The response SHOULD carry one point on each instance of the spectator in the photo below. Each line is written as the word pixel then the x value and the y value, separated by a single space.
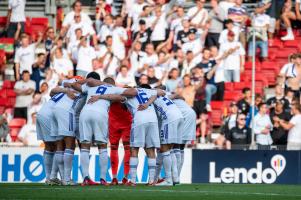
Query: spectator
pixel 62 66
pixel 187 90
pixel 260 22
pixel 198 15
pixel 240 134
pixel 86 54
pixel 274 11
pixel 35 105
pixel 143 35
pixel 45 92
pixel 120 37
pixel 107 57
pixel 239 14
pixel 279 134
pixel 223 38
pixel 216 16
pixel 173 80
pixel 69 18
pixel 286 16
pixel 279 96
pixel 219 75
pixel 159 27
pixel 176 26
pixel 285 68
pixel 4 129
pixel 133 14
pixel 263 127
pixel 136 56
pixel 258 100
pixel 124 78
pixel 235 61
pixel 152 80
pixel 150 59
pixel 143 79
pixel 15 15
pixel 24 90
pixel 230 120
pixel 24 56
pixel 194 44
pixel 226 4
pixel 106 29
pixel 190 62
pixel 182 35
pixel 38 69
pixel 293 127
pixel 28 133
pixel 49 42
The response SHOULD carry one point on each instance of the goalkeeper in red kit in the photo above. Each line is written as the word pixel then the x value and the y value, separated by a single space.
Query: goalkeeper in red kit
pixel 120 121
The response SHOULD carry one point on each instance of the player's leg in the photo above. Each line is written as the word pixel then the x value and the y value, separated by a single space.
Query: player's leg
pixel 58 162
pixel 151 161
pixel 48 156
pixel 68 158
pixel 114 137
pixel 174 164
pixel 159 162
pixel 180 158
pixel 167 162
pixel 127 152
pixel 133 165
pixel 103 160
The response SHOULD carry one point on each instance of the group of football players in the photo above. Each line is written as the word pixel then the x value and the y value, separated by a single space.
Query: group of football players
pixel 79 110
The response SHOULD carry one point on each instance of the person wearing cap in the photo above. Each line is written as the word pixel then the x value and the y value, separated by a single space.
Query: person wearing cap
pixel 260 24
pixel 230 120
pixel 229 24
pixel 194 44
pixel 216 18
pixel 182 36
pixel 279 134
pixel 143 35
pixel 235 61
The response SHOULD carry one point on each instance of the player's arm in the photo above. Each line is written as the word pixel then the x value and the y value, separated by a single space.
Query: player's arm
pixel 176 96
pixel 109 97
pixel 130 92
pixel 68 92
pixel 160 92
pixel 93 82
pixel 148 103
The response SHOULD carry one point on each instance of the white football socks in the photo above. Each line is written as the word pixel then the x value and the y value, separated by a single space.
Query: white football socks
pixel 103 161
pixel 48 160
pixel 167 165
pixel 159 162
pixel 174 167
pixel 151 169
pixel 84 162
pixel 57 165
pixel 182 161
pixel 68 158
pixel 178 157
pixel 133 168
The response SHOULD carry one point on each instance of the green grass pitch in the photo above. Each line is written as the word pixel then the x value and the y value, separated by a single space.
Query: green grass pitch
pixel 141 192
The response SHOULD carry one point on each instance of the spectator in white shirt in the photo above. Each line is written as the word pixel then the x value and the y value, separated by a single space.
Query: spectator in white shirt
pixel 294 127
pixel 223 38
pixel 263 127
pixel 143 79
pixel 28 133
pixel 189 63
pixel 24 90
pixel 109 60
pixel 173 80
pixel 235 61
pixel 62 66
pixel 106 29
pixel 35 105
pixel 69 18
pixel 194 44
pixel 198 15
pixel 86 54
pixel 225 5
pixel 120 37
pixel 24 56
pixel 136 57
pixel 124 78
pixel 176 26
pixel 159 26
pixel 72 47
pixel 151 58
pixel 15 15
pixel 133 15
pixel 87 30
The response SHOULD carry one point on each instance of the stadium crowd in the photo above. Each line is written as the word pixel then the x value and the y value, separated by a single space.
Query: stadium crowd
pixel 193 52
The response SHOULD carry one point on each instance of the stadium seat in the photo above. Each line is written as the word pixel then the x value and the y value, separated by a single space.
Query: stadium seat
pixel 216 117
pixel 284 53
pixel 3 102
pixel 249 65
pixel 2 110
pixel 17 123
pixel 270 76
pixel 3 20
pixel 232 96
pixel 7 44
pixel 292 44
pixel 11 93
pixel 217 105
pixel 7 84
pixel 228 86
pixel 276 43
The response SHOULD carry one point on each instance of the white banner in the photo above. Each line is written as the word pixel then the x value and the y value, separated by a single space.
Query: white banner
pixel 25 164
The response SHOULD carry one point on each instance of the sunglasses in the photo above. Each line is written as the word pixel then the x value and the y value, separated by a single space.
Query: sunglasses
pixel 242 119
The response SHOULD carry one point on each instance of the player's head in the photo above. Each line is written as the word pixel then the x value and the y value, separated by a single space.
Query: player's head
pixel 161 87
pixel 109 80
pixel 146 86
pixel 93 75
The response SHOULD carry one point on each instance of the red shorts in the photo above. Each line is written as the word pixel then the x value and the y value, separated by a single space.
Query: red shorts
pixel 117 133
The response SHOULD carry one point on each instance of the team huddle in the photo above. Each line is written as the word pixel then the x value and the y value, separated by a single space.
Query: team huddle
pixel 162 123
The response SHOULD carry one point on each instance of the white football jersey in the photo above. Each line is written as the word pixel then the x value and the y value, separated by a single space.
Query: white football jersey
pixel 167 109
pixel 64 102
pixel 144 116
pixel 101 104
pixel 183 107
pixel 47 107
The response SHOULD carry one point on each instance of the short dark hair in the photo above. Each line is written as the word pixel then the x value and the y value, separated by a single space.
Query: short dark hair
pixel 25 72
pixel 261 104
pixel 246 89
pixel 297 106
pixel 75 2
pixel 228 21
pixel 109 80
pixel 93 75
pixel 146 86
pixel 41 54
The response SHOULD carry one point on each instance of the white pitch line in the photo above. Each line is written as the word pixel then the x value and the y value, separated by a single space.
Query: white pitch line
pixel 206 192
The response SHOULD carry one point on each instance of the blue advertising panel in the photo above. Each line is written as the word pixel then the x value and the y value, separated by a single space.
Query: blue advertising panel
pixel 238 166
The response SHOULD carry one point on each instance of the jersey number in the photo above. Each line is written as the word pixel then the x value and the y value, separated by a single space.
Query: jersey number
pixel 101 90
pixel 167 101
pixel 57 97
pixel 142 97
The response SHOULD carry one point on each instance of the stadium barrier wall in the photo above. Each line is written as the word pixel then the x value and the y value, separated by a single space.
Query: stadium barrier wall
pixel 238 166
pixel 25 164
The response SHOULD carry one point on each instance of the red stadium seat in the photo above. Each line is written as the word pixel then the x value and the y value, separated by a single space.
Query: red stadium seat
pixel 249 65
pixel 11 93
pixel 215 105
pixel 239 86
pixel 232 96
pixel 3 22
pixel 8 84
pixel 276 43
pixel 3 102
pixel 284 53
pixel 216 117
pixel 292 44
pixel 229 86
